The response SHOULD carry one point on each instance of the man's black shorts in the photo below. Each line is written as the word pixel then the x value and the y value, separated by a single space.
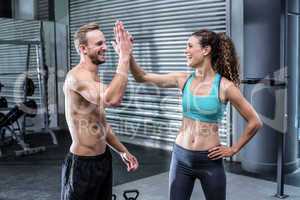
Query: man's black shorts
pixel 87 177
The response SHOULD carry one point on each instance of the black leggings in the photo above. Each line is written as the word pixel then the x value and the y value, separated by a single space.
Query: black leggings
pixel 186 166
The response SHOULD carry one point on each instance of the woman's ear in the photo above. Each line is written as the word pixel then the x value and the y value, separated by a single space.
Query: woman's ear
pixel 207 50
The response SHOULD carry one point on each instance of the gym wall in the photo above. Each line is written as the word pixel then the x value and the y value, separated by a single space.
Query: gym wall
pixel 160 30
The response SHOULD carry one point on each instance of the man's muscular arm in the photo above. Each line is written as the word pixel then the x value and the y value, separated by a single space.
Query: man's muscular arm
pixel 95 92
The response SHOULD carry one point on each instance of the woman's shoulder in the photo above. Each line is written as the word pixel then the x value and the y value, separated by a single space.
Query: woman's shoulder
pixel 225 82
pixel 225 85
pixel 182 78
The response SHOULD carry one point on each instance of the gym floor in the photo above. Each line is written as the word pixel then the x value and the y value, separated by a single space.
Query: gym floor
pixel 38 176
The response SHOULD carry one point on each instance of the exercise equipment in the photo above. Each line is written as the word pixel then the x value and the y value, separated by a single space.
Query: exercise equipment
pixel 3 102
pixel 2 132
pixel 2 116
pixel 3 140
pixel 29 108
pixel 128 195
pixel 1 85
pixel 131 194
pixel 9 122
pixel 28 86
pixel 25 87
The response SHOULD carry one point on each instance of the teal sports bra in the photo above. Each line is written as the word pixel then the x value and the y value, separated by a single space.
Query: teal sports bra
pixel 203 108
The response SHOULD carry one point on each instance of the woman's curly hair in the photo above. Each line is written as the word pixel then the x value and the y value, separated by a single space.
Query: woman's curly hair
pixel 223 55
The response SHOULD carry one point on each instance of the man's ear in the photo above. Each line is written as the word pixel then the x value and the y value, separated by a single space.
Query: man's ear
pixel 83 49
pixel 207 50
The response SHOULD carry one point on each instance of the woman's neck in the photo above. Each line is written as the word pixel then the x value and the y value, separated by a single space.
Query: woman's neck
pixel 204 72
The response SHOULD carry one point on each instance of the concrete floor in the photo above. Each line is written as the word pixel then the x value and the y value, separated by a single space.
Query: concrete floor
pixel 37 177
pixel 238 188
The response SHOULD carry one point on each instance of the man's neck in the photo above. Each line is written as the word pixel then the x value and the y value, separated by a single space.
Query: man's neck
pixel 88 65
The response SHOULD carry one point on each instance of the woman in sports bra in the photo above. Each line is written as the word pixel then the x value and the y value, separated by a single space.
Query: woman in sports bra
pixel 197 153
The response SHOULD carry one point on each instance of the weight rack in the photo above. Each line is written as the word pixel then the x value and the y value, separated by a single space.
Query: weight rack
pixel 42 84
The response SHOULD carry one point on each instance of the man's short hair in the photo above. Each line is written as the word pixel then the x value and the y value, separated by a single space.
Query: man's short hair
pixel 80 34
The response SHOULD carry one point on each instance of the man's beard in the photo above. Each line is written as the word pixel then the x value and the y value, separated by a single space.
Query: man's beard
pixel 95 60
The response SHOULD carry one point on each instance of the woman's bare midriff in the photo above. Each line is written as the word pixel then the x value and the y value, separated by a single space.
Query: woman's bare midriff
pixel 197 135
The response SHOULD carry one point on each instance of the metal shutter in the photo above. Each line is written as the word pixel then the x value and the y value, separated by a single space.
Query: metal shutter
pixel 43 9
pixel 160 29
pixel 13 61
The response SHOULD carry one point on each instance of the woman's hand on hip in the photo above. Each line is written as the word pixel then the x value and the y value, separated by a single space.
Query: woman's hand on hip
pixel 218 152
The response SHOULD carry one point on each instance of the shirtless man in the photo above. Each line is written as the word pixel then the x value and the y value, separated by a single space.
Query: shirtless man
pixel 87 169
